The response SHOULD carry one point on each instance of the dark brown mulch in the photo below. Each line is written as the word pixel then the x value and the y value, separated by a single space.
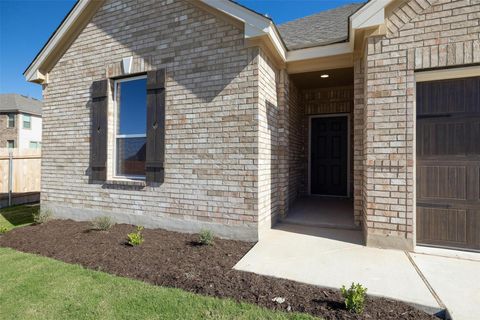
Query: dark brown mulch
pixel 174 259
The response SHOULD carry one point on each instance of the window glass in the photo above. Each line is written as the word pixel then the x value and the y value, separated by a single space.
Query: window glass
pixel 131 127
pixel 27 121
pixel 11 120
pixel 10 144
pixel 34 144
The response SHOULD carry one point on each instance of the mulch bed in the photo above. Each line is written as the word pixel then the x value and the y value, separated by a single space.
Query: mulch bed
pixel 176 260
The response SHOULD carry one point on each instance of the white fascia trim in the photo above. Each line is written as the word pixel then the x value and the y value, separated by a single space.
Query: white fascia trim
pixel 33 73
pixel 319 52
pixel 277 41
pixel 451 73
pixel 370 15
pixel 255 24
pixel 239 12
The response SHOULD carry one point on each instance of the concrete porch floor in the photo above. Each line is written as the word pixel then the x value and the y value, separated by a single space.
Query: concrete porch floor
pixel 322 212
pixel 335 257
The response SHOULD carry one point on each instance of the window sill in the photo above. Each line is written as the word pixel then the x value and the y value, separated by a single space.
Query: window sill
pixel 136 184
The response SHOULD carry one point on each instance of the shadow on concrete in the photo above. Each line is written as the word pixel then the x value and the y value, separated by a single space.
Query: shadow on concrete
pixel 323 212
pixel 344 235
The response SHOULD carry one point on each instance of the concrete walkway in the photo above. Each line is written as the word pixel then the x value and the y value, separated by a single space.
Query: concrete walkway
pixel 455 281
pixel 335 257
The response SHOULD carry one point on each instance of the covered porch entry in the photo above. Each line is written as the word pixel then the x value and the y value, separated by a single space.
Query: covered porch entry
pixel 321 150
pixel 322 212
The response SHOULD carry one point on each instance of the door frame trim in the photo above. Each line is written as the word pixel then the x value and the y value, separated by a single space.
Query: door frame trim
pixel 445 73
pixel 328 115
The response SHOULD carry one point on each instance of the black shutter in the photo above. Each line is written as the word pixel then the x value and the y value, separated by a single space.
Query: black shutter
pixel 98 160
pixel 155 126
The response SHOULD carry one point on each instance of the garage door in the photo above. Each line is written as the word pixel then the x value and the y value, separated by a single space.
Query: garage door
pixel 448 163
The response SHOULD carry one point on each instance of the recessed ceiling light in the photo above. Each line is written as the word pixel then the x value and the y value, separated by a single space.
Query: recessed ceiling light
pixel 324 76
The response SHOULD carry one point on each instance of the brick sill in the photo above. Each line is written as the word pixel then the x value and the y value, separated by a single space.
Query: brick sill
pixel 125 183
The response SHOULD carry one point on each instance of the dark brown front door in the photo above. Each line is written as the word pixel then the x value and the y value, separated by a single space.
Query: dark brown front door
pixel 448 163
pixel 329 152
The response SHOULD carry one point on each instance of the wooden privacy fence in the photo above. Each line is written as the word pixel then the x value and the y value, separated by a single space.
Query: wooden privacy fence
pixel 24 180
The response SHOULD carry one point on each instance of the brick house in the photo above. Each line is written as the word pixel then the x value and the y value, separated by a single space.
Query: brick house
pixel 20 122
pixel 204 114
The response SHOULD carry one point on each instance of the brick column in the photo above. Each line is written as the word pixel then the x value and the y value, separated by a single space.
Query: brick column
pixel 389 148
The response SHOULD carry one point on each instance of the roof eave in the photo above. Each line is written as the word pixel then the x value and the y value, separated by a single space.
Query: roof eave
pixel 256 27
pixel 17 110
pixel 370 16
pixel 34 72
pixel 319 44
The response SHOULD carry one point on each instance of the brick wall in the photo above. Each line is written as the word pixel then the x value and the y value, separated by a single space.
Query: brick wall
pixel 358 133
pixel 328 100
pixel 270 188
pixel 297 149
pixel 226 135
pixel 8 133
pixel 212 131
pixel 421 34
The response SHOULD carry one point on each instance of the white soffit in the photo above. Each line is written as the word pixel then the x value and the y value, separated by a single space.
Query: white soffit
pixel 319 52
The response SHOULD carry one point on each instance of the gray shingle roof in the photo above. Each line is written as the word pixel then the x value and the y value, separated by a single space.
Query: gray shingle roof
pixel 326 27
pixel 13 102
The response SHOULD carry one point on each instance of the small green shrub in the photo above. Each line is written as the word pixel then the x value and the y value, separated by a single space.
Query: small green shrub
pixel 205 237
pixel 102 223
pixel 136 238
pixel 42 216
pixel 354 297
pixel 3 229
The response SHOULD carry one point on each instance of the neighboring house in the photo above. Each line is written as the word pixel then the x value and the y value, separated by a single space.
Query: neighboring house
pixel 20 122
pixel 204 114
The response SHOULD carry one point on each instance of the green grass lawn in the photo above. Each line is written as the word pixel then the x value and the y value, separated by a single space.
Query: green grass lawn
pixel 34 287
pixel 17 216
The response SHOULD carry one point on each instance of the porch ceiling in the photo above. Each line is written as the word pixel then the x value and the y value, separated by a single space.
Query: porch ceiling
pixel 337 77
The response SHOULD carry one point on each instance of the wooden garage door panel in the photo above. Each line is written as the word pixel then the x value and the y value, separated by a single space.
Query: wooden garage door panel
pixel 448 135
pixel 441 182
pixel 448 96
pixel 448 163
pixel 449 225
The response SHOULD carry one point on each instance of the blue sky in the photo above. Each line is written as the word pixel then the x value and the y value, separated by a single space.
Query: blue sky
pixel 25 26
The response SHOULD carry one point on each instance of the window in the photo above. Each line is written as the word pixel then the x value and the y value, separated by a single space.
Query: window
pixel 10 144
pixel 27 121
pixel 35 144
pixel 130 127
pixel 11 120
